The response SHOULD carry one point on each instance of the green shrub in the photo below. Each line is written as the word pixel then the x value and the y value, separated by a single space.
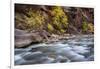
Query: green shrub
pixel 50 27
pixel 36 20
pixel 90 27
pixel 60 19
pixel 85 26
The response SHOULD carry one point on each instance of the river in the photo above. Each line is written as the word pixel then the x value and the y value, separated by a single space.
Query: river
pixel 80 48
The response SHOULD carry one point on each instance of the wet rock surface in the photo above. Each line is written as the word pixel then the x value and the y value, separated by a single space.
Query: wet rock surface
pixel 77 49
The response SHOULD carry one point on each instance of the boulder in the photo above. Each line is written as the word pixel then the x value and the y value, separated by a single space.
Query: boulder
pixel 24 38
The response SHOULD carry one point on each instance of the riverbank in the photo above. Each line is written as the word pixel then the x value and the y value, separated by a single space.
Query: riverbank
pixel 25 38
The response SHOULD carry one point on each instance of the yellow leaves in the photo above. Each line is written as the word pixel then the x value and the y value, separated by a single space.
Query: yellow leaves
pixel 59 15
pixel 90 27
pixel 63 31
pixel 85 26
pixel 50 27
pixel 57 10
pixel 60 19
pixel 35 20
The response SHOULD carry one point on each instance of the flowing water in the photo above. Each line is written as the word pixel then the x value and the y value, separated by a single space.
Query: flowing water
pixel 76 49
